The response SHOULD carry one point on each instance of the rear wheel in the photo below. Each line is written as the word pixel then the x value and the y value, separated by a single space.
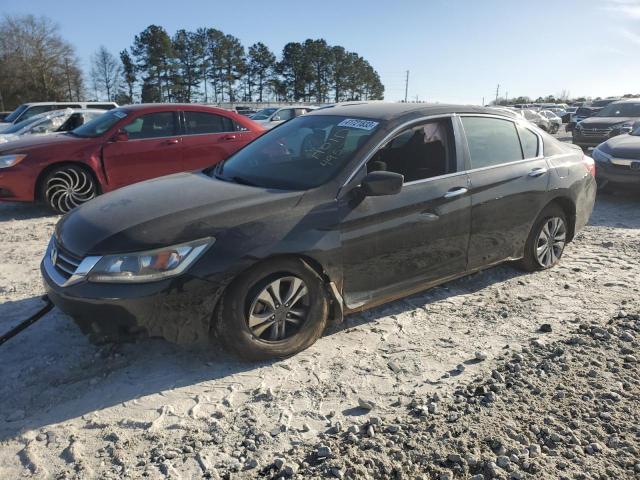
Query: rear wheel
pixel 546 241
pixel 274 310
pixel 67 187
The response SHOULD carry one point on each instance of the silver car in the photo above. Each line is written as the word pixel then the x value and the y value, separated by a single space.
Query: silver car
pixel 50 122
pixel 270 117
pixel 554 120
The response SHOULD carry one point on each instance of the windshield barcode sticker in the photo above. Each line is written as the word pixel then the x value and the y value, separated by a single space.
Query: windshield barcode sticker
pixel 361 124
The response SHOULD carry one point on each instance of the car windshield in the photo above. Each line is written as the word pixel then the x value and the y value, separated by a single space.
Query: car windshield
pixel 15 114
pixel 620 110
pixel 263 114
pixel 300 154
pixel 100 125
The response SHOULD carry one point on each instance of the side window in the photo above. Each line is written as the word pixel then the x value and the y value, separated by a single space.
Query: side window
pixel 198 123
pixel 529 142
pixel 152 125
pixel 491 141
pixel 285 114
pixel 421 152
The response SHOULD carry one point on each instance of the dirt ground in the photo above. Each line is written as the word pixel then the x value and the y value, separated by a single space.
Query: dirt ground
pixel 69 409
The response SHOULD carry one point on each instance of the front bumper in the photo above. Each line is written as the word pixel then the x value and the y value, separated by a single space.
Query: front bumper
pixel 17 183
pixel 589 139
pixel 607 172
pixel 179 309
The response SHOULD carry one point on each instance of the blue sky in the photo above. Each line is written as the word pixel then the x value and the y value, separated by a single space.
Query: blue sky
pixel 456 51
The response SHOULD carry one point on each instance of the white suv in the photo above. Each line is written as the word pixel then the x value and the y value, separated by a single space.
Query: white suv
pixel 28 110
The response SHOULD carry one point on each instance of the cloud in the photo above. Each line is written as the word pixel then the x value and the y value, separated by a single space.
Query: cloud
pixel 628 8
pixel 631 36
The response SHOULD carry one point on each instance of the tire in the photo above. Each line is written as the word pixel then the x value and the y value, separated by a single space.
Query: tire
pixel 531 261
pixel 67 187
pixel 255 322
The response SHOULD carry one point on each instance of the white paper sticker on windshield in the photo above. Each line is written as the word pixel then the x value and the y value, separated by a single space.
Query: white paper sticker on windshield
pixel 361 124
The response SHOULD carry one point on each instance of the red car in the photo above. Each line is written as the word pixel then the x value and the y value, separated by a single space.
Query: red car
pixel 123 146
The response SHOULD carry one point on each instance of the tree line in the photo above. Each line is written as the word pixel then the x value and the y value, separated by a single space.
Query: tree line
pixel 208 65
pixel 36 63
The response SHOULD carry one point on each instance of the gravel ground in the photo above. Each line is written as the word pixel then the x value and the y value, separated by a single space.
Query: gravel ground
pixel 69 409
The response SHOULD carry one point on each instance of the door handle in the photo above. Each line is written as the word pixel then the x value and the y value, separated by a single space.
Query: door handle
pixel 229 137
pixel 172 141
pixel 537 172
pixel 429 216
pixel 455 192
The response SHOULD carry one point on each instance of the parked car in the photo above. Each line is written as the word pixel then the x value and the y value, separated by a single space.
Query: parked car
pixel 246 111
pixel 554 120
pixel 539 120
pixel 379 200
pixel 566 116
pixel 580 114
pixel 27 110
pixel 55 121
pixel 4 115
pixel 618 161
pixel 120 147
pixel 269 117
pixel 616 118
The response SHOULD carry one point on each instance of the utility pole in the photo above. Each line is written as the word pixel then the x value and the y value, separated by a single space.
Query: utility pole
pixel 483 101
pixel 506 98
pixel 497 91
pixel 406 87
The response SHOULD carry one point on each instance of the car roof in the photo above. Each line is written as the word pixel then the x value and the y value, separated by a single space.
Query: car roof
pixel 391 111
pixel 626 100
pixel 173 106
pixel 31 104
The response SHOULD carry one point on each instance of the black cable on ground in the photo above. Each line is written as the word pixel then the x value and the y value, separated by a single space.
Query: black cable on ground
pixel 29 321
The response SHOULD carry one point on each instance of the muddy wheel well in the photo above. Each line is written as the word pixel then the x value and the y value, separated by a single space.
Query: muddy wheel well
pixel 569 209
pixel 43 174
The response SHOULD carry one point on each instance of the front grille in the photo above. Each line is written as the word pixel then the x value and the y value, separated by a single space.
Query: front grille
pixel 64 262
pixel 594 132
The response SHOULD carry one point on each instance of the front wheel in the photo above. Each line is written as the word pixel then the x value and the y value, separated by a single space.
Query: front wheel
pixel 276 309
pixel 67 187
pixel 547 239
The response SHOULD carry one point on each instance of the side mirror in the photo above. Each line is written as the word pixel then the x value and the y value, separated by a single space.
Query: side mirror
pixel 276 118
pixel 121 136
pixel 39 129
pixel 377 184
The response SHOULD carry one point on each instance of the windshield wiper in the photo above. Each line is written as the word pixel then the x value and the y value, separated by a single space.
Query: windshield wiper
pixel 243 181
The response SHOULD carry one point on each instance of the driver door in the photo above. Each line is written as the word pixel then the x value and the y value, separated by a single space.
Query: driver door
pixel 397 242
pixel 153 149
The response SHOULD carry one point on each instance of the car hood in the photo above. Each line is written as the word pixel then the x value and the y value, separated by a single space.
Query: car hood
pixel 623 146
pixel 166 211
pixel 27 143
pixel 4 125
pixel 605 122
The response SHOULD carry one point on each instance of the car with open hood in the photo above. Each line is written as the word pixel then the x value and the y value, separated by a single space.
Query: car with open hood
pixel 332 212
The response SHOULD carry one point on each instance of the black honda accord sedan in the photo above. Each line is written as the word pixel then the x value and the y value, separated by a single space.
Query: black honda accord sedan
pixel 332 212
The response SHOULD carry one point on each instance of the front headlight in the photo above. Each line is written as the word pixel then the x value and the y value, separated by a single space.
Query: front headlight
pixel 7 161
pixel 599 156
pixel 148 266
pixel 624 127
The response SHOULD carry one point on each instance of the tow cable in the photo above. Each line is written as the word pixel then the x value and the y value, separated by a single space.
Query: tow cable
pixel 29 321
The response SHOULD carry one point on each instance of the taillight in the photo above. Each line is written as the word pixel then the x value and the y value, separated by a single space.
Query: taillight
pixel 589 164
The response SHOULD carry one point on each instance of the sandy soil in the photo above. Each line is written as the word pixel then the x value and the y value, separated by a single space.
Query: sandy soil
pixel 69 409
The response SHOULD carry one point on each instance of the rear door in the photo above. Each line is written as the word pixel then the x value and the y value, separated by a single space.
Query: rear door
pixel 154 148
pixel 509 179
pixel 209 138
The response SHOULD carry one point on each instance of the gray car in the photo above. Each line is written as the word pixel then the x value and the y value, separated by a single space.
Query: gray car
pixel 618 161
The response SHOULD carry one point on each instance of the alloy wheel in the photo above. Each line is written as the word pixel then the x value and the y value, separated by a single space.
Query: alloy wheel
pixel 68 188
pixel 551 241
pixel 279 309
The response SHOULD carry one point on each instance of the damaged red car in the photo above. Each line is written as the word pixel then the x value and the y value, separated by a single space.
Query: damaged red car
pixel 124 146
